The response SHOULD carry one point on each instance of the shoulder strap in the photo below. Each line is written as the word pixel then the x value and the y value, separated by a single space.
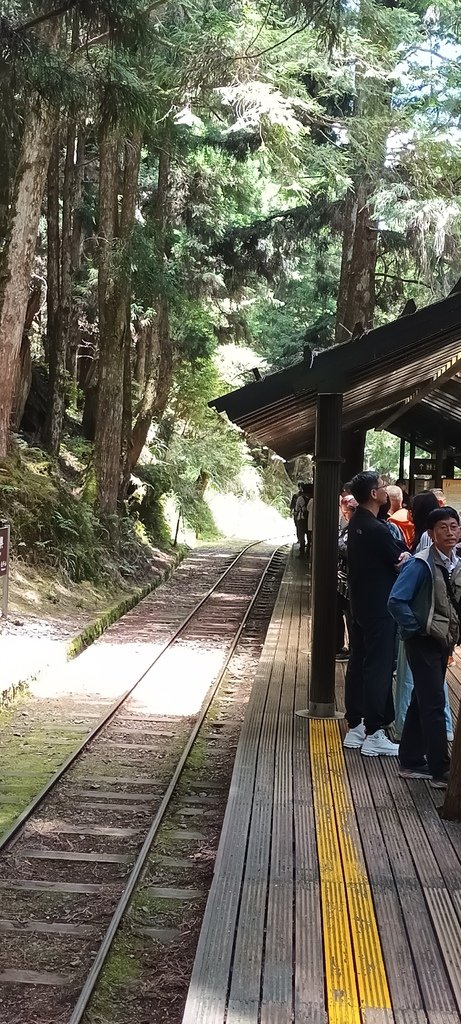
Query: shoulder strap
pixel 451 594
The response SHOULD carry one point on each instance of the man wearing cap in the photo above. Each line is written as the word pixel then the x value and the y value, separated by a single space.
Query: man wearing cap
pixel 425 601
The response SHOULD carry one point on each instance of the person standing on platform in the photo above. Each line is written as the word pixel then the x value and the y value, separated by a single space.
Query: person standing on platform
pixel 294 499
pixel 399 515
pixel 426 603
pixel 310 518
pixel 374 558
pixel 405 495
pixel 301 517
pixel 422 505
pixel 348 506
pixel 440 495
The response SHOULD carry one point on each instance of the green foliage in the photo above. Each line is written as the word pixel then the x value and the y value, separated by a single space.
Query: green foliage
pixel 52 526
pixel 145 504
pixel 48 524
pixel 382 451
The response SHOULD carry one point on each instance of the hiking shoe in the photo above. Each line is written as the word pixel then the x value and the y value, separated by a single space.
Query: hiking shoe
pixel 355 737
pixel 342 655
pixel 378 744
pixel 420 772
pixel 441 783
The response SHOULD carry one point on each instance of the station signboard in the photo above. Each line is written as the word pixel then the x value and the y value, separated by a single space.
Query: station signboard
pixel 452 491
pixel 4 549
pixel 4 564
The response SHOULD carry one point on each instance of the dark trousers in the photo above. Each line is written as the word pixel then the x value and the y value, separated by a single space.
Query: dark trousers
pixel 301 530
pixel 369 673
pixel 424 731
pixel 343 618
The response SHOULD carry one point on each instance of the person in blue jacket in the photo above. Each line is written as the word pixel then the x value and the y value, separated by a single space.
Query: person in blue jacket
pixel 425 601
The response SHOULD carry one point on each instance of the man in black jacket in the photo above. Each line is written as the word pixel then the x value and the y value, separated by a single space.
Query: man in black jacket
pixel 374 558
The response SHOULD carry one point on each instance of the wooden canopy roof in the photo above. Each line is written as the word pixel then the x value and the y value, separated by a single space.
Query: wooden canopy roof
pixel 404 376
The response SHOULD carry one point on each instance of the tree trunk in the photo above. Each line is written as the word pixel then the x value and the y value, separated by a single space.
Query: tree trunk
pixel 201 483
pixel 5 143
pixel 90 411
pixel 451 809
pixel 356 297
pixel 141 355
pixel 127 416
pixel 53 285
pixel 159 375
pixel 16 269
pixel 73 341
pixel 159 360
pixel 77 225
pixel 59 395
pixel 24 373
pixel 114 296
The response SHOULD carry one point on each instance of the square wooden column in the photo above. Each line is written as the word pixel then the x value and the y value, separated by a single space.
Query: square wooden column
pixel 402 459
pixel 439 458
pixel 325 554
pixel 411 475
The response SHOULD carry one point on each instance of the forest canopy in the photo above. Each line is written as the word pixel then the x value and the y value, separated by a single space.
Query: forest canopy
pixel 178 180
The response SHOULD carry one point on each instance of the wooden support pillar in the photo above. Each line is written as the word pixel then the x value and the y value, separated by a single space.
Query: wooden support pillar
pixel 450 467
pixel 402 459
pixel 325 555
pixel 352 451
pixel 411 475
pixel 439 459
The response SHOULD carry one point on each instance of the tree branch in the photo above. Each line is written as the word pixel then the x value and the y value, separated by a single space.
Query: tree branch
pixel 405 280
pixel 46 17
pixel 104 37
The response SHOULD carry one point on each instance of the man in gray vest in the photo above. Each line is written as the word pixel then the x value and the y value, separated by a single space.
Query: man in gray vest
pixel 425 601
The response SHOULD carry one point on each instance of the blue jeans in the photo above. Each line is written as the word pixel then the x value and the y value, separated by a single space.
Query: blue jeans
pixel 403 691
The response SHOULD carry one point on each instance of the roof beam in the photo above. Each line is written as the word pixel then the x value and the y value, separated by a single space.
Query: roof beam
pixel 447 371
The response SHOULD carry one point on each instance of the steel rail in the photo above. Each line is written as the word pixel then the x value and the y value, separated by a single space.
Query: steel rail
pixel 7 836
pixel 98 964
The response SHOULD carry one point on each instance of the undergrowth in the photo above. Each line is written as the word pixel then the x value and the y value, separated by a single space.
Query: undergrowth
pixel 52 525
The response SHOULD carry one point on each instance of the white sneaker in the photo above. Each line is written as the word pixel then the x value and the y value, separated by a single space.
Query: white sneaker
pixel 355 737
pixel 450 737
pixel 378 743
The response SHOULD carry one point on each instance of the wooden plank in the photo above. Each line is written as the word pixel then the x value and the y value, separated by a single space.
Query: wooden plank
pixel 309 983
pixel 39 885
pixel 428 870
pixel 407 1002
pixel 69 855
pixel 170 892
pixel 277 988
pixel 109 807
pixel 47 928
pixel 244 995
pixel 370 968
pixel 108 795
pixel 40 978
pixel 64 829
pixel 206 1003
pixel 114 780
pixel 430 969
pixel 341 983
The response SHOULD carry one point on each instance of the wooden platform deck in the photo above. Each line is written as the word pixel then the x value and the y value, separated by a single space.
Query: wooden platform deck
pixel 337 890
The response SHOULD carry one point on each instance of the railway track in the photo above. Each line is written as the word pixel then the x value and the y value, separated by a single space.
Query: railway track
pixel 70 865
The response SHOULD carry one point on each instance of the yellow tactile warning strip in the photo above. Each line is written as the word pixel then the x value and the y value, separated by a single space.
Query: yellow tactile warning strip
pixel 355 975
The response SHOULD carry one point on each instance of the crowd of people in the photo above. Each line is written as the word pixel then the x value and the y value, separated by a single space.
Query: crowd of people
pixel 398 618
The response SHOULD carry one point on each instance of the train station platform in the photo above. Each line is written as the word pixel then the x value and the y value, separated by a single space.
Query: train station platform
pixel 337 890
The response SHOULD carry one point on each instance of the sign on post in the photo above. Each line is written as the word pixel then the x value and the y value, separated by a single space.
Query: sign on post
pixel 452 492
pixel 4 564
